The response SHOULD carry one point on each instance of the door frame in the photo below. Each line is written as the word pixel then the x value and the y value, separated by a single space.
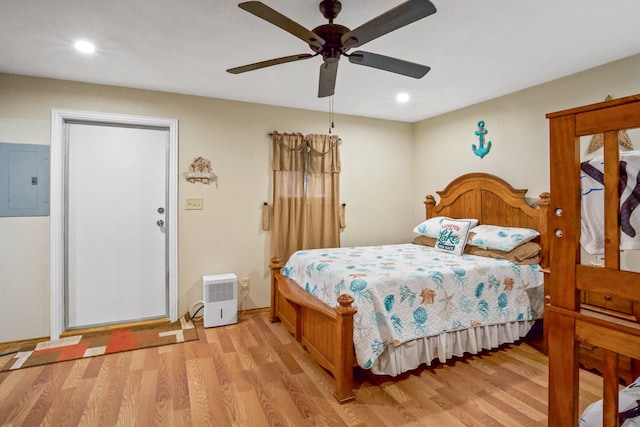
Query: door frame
pixel 59 118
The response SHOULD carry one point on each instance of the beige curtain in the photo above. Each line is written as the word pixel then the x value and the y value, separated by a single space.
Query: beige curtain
pixel 306 176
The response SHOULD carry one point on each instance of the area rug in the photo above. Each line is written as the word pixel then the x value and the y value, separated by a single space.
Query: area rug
pixel 97 344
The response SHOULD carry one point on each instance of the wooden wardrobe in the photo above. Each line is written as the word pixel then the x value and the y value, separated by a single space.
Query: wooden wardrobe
pixel 571 325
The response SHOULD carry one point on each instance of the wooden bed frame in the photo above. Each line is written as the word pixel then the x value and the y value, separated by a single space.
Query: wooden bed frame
pixel 327 333
pixel 568 327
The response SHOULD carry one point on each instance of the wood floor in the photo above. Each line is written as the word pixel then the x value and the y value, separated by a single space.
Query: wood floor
pixel 255 374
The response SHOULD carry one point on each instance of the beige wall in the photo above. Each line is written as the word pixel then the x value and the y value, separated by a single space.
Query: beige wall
pixel 388 167
pixel 226 236
pixel 517 127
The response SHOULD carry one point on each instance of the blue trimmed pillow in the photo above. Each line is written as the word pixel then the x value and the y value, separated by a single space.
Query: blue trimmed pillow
pixel 452 236
pixel 431 227
pixel 501 238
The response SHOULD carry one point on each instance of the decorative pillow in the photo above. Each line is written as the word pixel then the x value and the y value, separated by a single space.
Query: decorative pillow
pixel 526 253
pixel 431 227
pixel 424 240
pixel 501 238
pixel 452 237
pixel 529 261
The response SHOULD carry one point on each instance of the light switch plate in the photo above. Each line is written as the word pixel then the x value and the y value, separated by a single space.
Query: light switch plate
pixel 194 203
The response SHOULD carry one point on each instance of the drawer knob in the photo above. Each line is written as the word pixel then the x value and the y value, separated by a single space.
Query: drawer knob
pixel 607 297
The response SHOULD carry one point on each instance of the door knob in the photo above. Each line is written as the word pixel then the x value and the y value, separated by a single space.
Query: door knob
pixel 160 210
pixel 160 222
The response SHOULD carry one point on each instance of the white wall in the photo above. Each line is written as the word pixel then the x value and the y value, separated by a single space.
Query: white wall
pixel 226 236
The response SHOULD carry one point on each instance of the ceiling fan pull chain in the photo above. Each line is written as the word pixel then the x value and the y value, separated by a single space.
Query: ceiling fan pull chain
pixel 331 113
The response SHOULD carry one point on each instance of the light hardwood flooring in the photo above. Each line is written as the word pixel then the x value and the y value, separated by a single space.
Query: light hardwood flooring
pixel 255 374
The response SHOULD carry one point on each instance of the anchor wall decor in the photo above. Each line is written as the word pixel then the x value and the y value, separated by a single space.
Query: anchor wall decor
pixel 482 150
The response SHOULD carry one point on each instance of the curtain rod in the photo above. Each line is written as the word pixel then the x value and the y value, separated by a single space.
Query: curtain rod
pixel 271 133
pixel 339 139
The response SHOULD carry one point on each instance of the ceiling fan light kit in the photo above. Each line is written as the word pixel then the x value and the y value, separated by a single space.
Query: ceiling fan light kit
pixel 332 41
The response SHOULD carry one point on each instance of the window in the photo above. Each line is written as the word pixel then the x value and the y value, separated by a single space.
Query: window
pixel 306 173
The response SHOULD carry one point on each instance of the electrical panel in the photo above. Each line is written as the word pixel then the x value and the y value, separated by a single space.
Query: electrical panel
pixel 24 179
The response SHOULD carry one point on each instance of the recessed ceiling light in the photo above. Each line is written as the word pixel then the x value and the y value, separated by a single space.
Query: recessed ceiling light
pixel 402 97
pixel 85 46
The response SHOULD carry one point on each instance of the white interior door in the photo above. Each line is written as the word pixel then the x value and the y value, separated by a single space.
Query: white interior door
pixel 116 204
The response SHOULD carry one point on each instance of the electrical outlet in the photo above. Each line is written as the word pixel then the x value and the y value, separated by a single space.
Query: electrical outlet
pixel 194 203
pixel 244 284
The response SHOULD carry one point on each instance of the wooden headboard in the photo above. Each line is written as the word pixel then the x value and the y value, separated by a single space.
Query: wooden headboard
pixel 492 201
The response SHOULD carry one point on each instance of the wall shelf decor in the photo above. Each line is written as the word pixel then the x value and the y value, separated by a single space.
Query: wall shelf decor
pixel 200 171
pixel 597 140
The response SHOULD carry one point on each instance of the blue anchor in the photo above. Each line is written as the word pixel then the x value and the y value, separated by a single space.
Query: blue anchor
pixel 482 150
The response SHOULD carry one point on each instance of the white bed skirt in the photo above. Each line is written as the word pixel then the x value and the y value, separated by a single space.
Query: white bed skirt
pixel 395 360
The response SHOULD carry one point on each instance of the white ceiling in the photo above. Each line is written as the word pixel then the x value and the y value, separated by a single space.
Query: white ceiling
pixel 477 49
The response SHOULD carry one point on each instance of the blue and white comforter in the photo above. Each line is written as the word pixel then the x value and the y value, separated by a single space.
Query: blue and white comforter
pixel 408 291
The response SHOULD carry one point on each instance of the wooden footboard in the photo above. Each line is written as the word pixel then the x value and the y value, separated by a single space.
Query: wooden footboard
pixel 326 332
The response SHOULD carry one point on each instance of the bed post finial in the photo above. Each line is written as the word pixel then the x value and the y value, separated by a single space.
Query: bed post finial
pixel 545 199
pixel 430 204
pixel 276 266
pixel 543 204
pixel 345 301
pixel 344 354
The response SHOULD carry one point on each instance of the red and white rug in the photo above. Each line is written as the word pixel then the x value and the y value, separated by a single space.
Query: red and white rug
pixel 97 344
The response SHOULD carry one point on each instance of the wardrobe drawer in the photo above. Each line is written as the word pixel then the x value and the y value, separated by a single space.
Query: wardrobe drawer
pixel 610 302
pixel 591 359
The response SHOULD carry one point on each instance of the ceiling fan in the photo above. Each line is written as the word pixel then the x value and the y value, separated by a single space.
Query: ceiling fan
pixel 334 40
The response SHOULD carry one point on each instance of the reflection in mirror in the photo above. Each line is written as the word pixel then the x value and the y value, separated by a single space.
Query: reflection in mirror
pixel 592 206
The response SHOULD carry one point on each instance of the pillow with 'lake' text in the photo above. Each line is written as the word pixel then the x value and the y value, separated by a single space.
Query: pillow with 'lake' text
pixel 452 236
pixel 431 227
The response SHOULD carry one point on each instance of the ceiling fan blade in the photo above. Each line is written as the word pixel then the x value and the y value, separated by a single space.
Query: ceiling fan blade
pixel 269 63
pixel 401 15
pixel 328 73
pixel 387 63
pixel 263 11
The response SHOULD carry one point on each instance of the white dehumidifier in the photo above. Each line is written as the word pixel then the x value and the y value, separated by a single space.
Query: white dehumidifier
pixel 220 296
